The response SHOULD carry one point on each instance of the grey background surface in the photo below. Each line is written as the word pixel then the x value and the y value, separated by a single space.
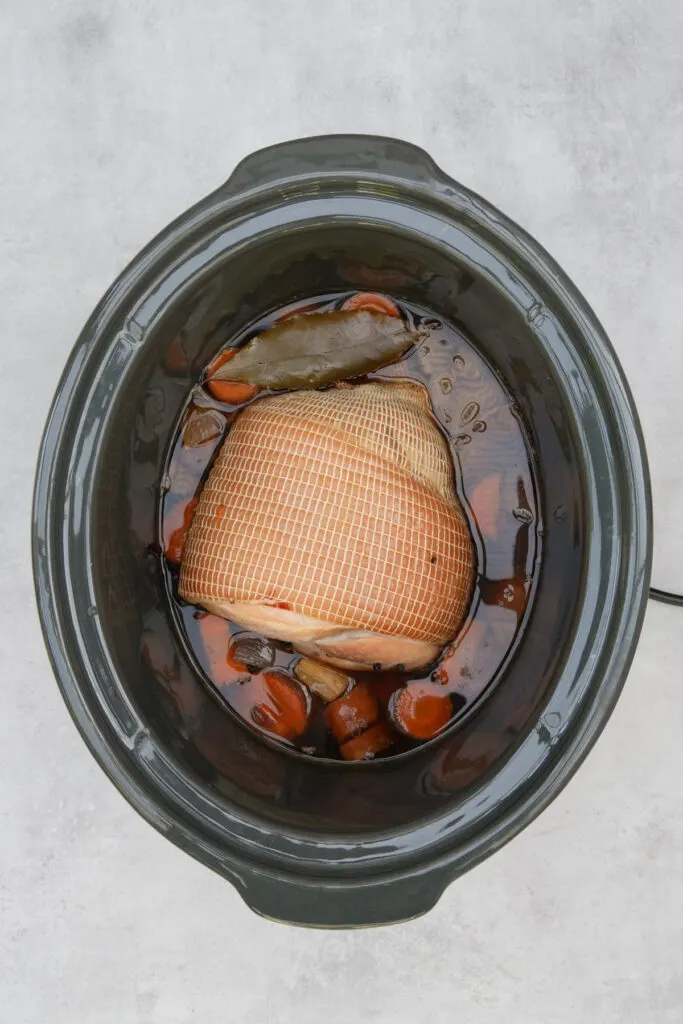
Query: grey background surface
pixel 114 117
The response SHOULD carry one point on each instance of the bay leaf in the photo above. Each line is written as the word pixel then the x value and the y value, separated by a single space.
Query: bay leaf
pixel 310 350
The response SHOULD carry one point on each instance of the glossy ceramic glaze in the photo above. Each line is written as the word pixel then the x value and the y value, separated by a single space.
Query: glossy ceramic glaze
pixel 323 844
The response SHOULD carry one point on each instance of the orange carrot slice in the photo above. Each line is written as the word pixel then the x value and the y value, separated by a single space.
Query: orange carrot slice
pixel 369 743
pixel 230 391
pixel 372 301
pixel 282 706
pixel 351 714
pixel 220 360
pixel 420 712
pixel 485 504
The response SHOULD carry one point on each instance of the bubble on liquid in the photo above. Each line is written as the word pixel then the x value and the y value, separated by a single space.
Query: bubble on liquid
pixel 560 513
pixel 425 350
pixel 479 426
pixel 470 412
pixel 447 417
pixel 523 515
pixel 92 611
pixel 459 361
pixel 166 482
pixel 509 593
pixel 462 439
pixel 446 385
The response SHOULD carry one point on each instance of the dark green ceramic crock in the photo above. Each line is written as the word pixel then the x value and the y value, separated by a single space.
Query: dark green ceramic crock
pixel 333 844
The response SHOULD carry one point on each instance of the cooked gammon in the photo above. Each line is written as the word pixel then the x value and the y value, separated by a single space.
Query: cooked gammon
pixel 330 520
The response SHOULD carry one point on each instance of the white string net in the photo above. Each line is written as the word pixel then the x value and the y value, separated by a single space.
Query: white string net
pixel 339 505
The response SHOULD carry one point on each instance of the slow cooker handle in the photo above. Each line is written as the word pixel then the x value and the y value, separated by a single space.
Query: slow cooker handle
pixel 317 903
pixel 337 155
pixel 307 901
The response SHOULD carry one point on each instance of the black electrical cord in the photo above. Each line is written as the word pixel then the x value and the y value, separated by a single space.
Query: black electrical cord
pixel 666 597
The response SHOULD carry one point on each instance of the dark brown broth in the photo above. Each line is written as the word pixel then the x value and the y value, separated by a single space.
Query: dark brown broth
pixel 481 422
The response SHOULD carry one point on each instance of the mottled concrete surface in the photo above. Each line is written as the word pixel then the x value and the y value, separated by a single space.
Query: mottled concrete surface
pixel 116 116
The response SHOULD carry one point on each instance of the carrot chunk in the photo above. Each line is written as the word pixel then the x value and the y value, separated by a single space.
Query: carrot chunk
pixel 220 360
pixel 372 301
pixel 369 743
pixel 282 706
pixel 419 712
pixel 351 714
pixel 231 391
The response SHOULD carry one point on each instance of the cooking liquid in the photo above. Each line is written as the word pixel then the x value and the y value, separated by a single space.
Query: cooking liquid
pixel 496 486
